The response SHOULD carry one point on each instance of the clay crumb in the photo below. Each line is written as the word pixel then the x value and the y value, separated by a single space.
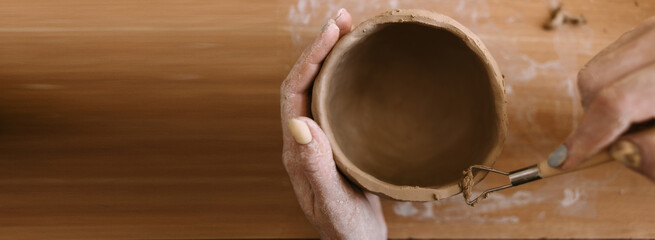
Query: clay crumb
pixel 467 184
pixel 559 17
pixel 467 187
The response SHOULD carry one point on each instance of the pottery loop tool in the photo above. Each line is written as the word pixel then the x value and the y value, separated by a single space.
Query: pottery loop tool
pixel 621 150
pixel 533 173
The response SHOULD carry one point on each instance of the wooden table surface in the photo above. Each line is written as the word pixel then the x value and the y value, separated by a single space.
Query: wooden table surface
pixel 160 120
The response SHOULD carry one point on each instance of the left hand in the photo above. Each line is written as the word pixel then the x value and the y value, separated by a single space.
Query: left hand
pixel 336 208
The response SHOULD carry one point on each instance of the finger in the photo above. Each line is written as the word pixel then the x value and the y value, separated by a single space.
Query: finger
pixel 294 103
pixel 640 149
pixel 631 51
pixel 294 89
pixel 617 106
pixel 344 22
pixel 628 36
pixel 315 158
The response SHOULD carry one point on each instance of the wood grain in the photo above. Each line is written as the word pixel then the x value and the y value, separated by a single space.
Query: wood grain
pixel 160 120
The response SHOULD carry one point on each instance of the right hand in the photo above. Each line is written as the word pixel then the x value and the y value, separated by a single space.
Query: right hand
pixel 617 88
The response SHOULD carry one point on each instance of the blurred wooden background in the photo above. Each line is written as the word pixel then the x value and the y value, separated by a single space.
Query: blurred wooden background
pixel 160 120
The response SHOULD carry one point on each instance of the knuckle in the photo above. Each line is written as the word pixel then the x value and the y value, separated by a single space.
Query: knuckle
pixel 613 103
pixel 312 169
pixel 310 162
pixel 315 163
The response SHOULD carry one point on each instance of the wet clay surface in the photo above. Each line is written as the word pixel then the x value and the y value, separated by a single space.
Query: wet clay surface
pixel 412 105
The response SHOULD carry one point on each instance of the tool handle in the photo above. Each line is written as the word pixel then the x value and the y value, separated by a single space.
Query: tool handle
pixel 546 170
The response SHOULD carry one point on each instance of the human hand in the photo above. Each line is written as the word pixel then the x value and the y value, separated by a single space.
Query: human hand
pixel 617 88
pixel 336 208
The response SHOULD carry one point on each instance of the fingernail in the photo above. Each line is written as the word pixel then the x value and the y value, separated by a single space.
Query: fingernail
pixel 627 153
pixel 339 13
pixel 300 131
pixel 331 21
pixel 557 157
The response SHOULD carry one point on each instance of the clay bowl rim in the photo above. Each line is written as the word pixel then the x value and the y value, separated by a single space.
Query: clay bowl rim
pixel 425 18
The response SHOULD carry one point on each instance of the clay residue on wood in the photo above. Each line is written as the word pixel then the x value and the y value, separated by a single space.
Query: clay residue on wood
pixel 467 187
pixel 559 17
pixel 467 184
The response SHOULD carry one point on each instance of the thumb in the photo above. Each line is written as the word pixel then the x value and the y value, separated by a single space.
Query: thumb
pixel 315 156
pixel 602 124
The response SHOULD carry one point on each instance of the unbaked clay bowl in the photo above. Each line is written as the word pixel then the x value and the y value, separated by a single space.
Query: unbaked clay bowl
pixel 410 99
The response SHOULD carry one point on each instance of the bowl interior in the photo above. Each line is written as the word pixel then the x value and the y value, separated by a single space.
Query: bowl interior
pixel 412 105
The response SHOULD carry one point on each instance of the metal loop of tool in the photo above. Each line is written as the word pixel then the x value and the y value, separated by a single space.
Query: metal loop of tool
pixel 517 177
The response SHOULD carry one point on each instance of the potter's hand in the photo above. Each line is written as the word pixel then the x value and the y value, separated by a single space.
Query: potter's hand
pixel 336 208
pixel 618 89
